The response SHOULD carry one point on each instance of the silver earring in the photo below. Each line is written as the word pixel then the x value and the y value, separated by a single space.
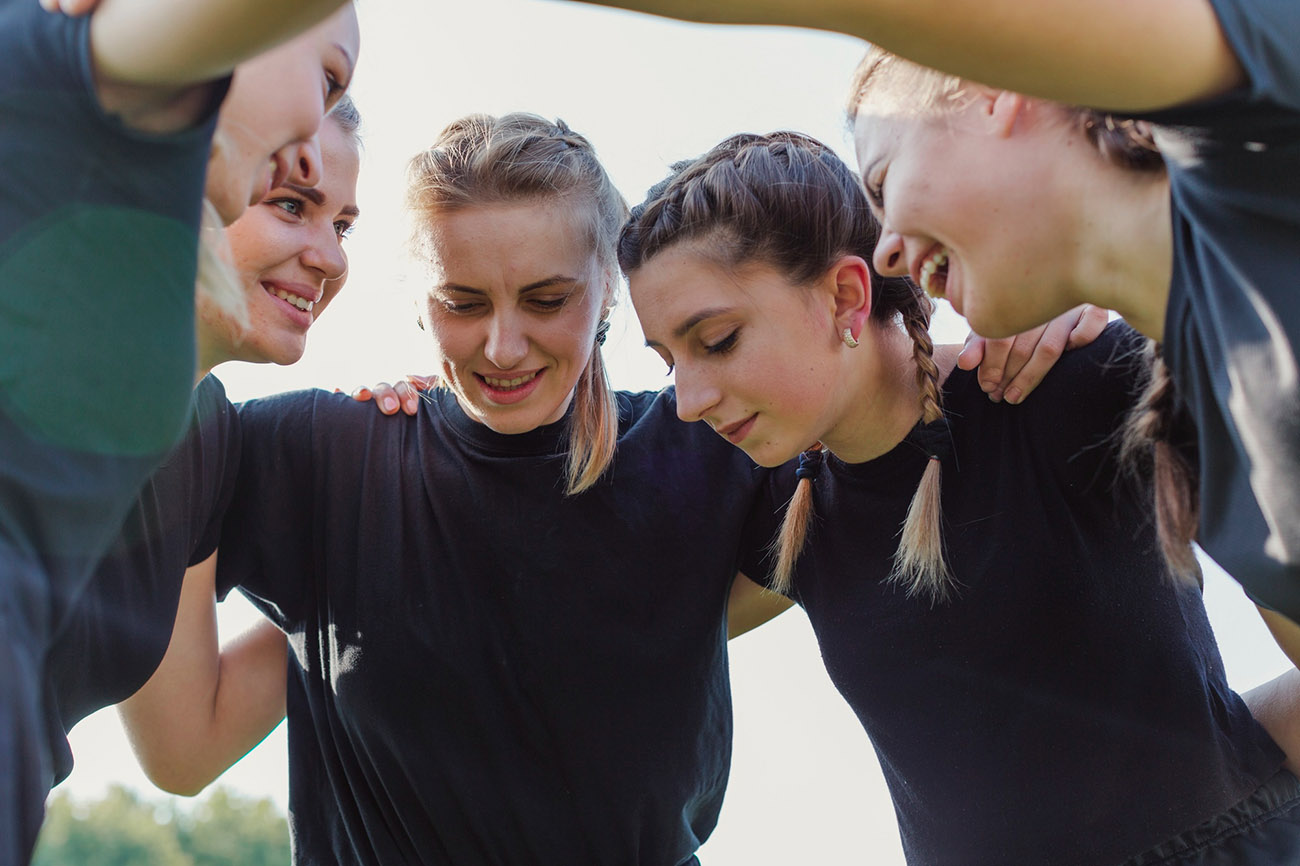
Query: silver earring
pixel 847 337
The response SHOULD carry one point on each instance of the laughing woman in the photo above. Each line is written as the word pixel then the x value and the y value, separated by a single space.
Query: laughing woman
pixel 1199 253
pixel 1037 685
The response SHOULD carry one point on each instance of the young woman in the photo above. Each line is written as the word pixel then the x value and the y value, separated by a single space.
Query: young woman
pixel 106 144
pixel 1038 688
pixel 1200 256
pixel 289 245
pixel 507 575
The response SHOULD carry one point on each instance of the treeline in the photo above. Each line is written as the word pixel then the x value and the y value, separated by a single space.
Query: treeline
pixel 124 830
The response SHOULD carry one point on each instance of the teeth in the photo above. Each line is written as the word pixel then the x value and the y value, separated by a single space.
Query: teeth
pixel 930 268
pixel 509 383
pixel 296 300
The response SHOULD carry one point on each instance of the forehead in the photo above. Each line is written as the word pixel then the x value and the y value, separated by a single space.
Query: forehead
pixel 879 135
pixel 509 243
pixel 342 162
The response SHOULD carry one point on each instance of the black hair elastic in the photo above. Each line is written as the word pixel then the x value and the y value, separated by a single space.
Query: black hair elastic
pixel 935 438
pixel 601 331
pixel 810 465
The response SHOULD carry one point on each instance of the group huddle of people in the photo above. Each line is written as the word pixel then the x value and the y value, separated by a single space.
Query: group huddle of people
pixel 497 620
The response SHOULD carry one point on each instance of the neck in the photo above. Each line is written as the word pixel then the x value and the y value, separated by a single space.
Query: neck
pixel 1127 250
pixel 211 352
pixel 883 402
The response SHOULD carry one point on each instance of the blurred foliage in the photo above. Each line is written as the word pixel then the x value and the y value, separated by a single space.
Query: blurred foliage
pixel 124 830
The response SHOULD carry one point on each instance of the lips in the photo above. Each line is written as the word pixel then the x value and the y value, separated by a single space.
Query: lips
pixel 507 388
pixel 296 302
pixel 736 433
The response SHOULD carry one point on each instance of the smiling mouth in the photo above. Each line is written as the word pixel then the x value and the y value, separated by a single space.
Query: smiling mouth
pixel 735 433
pixel 511 384
pixel 934 274
pixel 291 299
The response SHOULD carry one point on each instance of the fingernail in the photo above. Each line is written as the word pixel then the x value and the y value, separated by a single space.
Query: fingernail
pixel 1013 395
pixel 991 382
pixel 389 404
pixel 996 396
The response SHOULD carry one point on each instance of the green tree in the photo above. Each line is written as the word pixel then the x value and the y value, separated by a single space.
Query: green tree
pixel 119 830
pixel 123 830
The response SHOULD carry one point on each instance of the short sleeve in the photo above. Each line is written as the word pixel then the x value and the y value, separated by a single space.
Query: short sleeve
pixel 1264 34
pixel 266 536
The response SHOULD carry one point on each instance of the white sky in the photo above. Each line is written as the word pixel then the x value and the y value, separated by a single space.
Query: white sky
pixel 805 786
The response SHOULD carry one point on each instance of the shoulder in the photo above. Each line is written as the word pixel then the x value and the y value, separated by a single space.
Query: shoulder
pixel 43 50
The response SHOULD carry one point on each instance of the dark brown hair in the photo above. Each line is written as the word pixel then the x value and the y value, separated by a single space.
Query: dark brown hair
pixel 480 160
pixel 787 201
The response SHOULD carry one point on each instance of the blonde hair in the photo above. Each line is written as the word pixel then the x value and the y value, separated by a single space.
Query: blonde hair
pixel 787 201
pixel 520 157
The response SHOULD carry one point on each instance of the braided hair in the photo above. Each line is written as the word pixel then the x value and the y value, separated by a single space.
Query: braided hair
pixel 787 201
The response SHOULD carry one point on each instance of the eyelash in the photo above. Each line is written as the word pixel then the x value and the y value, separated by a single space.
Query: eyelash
pixel 543 305
pixel 725 345
pixel 298 205
pixel 876 192
pixel 343 229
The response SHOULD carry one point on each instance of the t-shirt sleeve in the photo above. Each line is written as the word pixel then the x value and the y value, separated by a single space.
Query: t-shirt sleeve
pixel 267 533
pixel 218 426
pixel 1263 34
pixel 1077 415
pixel 764 522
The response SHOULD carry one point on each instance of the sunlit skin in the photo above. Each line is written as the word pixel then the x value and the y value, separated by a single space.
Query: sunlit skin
pixel 761 360
pixel 266 131
pixel 1030 219
pixel 291 242
pixel 515 296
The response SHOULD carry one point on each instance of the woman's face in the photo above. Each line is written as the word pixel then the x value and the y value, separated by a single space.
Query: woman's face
pixel 753 355
pixel 965 198
pixel 265 135
pixel 288 252
pixel 515 297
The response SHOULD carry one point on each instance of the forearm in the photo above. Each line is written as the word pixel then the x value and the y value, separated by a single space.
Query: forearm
pixel 1276 705
pixel 169 44
pixel 1105 53
pixel 204 708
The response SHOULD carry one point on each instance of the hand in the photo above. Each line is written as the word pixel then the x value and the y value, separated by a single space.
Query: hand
pixel 405 395
pixel 71 8
pixel 1012 367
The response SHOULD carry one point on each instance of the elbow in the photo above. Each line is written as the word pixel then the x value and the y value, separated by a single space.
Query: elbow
pixel 177 778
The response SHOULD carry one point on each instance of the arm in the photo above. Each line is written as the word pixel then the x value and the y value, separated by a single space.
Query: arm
pixel 1276 706
pixel 751 605
pixel 1106 53
pixel 205 708
pixel 167 44
pixel 1012 367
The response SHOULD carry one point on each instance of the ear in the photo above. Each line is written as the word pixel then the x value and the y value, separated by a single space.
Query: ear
pixel 852 292
pixel 1003 109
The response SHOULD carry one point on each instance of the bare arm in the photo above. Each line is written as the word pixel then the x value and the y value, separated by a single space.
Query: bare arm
pixel 1276 706
pixel 750 605
pixel 205 707
pixel 1116 54
pixel 169 44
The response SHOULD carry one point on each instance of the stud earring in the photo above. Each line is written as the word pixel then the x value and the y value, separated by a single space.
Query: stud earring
pixel 847 337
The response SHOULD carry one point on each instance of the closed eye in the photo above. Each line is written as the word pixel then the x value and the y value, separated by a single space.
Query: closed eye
pixel 725 345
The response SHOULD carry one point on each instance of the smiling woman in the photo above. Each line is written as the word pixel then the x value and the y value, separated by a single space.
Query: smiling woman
pixel 107 147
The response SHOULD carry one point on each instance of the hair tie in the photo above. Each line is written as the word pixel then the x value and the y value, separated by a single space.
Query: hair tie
pixel 810 465
pixel 934 439
pixel 601 331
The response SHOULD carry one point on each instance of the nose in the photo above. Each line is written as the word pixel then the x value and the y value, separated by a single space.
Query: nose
pixel 507 344
pixel 890 257
pixel 695 394
pixel 304 162
pixel 324 253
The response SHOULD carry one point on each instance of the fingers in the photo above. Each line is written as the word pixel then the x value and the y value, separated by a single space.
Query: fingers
pixel 1002 359
pixel 72 8
pixel 972 354
pixel 409 397
pixel 1092 321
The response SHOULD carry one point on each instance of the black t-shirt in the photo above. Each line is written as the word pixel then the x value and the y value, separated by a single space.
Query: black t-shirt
pixel 1233 319
pixel 485 670
pixel 119 628
pixel 1069 705
pixel 98 239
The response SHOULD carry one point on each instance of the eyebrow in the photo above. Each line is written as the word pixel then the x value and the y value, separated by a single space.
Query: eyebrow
pixel 546 283
pixel 316 197
pixel 684 328
pixel 352 64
